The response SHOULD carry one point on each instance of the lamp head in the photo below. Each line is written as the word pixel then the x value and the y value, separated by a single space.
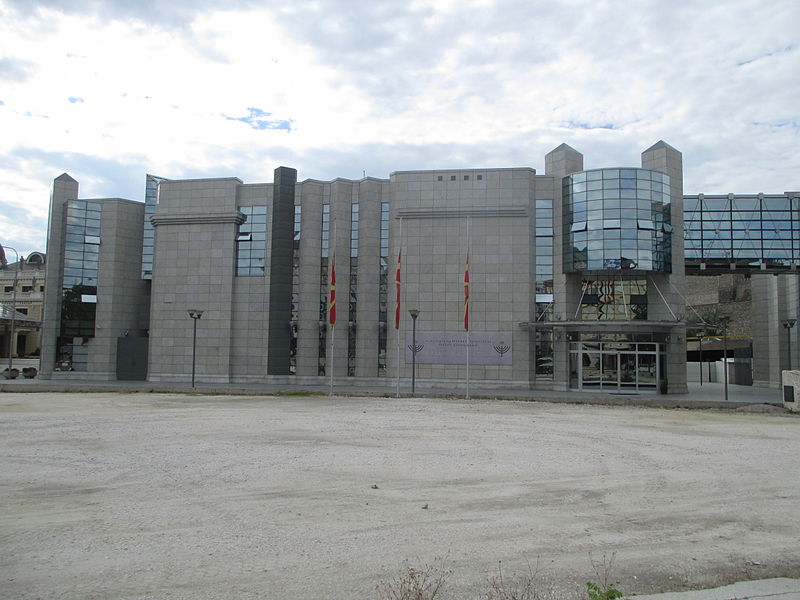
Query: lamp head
pixel 195 314
pixel 414 313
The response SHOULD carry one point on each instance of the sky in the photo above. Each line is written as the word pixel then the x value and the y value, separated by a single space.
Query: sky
pixel 108 91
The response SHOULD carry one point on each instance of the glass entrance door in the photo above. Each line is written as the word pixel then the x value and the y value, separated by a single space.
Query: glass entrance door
pixel 627 370
pixel 614 366
pixel 609 375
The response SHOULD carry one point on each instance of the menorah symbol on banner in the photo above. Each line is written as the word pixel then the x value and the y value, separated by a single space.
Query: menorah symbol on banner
pixel 502 348
pixel 416 349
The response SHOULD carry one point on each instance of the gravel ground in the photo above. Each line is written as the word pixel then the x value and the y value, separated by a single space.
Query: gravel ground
pixel 179 496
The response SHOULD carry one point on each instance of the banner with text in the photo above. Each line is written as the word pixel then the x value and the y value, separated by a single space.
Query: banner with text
pixel 442 348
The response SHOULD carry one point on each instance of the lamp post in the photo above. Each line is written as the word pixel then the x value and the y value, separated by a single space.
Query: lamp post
pixel 414 314
pixel 13 309
pixel 723 328
pixel 788 324
pixel 195 315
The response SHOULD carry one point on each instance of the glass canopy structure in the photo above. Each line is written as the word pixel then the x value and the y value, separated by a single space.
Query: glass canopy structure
pixel 756 232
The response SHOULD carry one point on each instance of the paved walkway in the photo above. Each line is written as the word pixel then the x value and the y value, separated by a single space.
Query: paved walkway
pixel 707 395
pixel 764 589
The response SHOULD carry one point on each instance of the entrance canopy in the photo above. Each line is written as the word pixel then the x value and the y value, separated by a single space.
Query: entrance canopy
pixel 610 326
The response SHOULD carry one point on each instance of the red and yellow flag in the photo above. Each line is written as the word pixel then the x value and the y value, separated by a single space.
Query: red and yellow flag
pixel 397 301
pixel 466 294
pixel 332 302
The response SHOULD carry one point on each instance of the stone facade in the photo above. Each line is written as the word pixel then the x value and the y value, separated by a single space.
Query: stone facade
pixel 28 300
pixel 263 282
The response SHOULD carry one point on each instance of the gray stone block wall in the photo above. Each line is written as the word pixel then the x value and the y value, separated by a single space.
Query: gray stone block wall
pixel 310 195
pixel 196 227
pixel 766 341
pixel 122 295
pixel 250 314
pixel 443 213
pixel 669 304
pixel 490 219
pixel 370 195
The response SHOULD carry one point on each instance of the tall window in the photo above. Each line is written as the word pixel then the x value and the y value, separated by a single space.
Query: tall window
pixel 353 291
pixel 544 287
pixel 79 286
pixel 383 290
pixel 295 290
pixel 251 242
pixel 149 235
pixel 323 288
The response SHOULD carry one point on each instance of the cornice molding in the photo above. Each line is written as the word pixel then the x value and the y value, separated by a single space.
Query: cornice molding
pixel 195 219
pixel 454 213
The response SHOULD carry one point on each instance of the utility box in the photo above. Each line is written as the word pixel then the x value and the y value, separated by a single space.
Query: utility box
pixel 791 390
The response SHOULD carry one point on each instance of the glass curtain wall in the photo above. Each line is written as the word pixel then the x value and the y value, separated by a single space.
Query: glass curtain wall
pixel 383 290
pixel 353 291
pixel 544 288
pixel 79 285
pixel 298 214
pixel 323 289
pixel 251 242
pixel 613 299
pixel 149 235
pixel 617 219
pixel 747 231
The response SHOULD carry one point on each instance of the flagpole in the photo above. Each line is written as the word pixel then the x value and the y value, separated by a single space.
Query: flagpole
pixel 333 342
pixel 467 303
pixel 397 303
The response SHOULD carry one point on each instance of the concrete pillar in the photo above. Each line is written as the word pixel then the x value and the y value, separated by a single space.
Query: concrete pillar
pixel 64 188
pixel 764 308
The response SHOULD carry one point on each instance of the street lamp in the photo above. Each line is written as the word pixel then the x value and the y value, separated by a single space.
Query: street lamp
pixel 788 324
pixel 195 314
pixel 13 309
pixel 722 327
pixel 414 314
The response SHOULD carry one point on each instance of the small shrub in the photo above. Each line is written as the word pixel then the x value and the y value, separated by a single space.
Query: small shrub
pixel 603 590
pixel 536 584
pixel 425 583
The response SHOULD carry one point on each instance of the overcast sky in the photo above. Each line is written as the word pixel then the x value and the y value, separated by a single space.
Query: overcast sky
pixel 108 91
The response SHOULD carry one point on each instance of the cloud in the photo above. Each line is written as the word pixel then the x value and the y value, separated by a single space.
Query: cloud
pixel 15 70
pixel 190 89
pixel 154 12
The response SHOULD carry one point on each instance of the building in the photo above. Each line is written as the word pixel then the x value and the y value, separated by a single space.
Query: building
pixel 743 252
pixel 22 299
pixel 576 279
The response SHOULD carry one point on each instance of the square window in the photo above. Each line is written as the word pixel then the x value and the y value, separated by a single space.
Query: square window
pixel 439 178
pixel 452 177
pixel 466 177
pixel 480 177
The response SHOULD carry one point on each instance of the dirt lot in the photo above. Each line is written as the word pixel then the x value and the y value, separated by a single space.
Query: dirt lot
pixel 174 496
